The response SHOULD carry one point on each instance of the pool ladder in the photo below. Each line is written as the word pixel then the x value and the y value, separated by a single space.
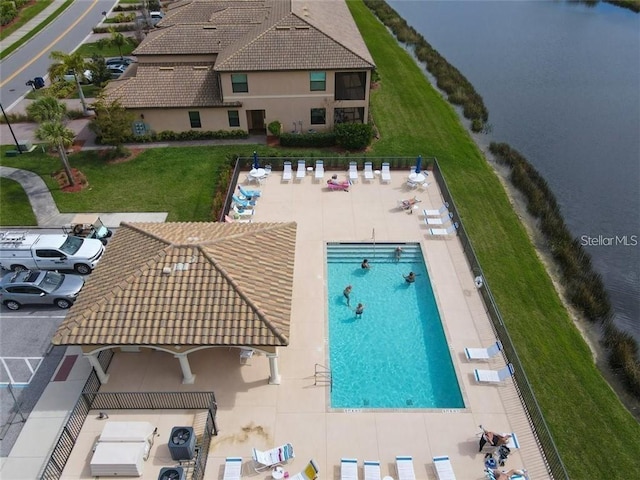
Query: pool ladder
pixel 322 376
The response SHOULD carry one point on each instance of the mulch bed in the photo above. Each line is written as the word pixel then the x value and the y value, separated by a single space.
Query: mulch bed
pixel 79 179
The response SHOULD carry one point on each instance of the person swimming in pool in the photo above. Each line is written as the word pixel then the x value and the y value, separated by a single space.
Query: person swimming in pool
pixel 410 278
pixel 346 292
pixel 365 264
pixel 397 253
pixel 359 309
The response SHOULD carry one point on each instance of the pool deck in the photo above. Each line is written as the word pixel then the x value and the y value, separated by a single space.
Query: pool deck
pixel 252 413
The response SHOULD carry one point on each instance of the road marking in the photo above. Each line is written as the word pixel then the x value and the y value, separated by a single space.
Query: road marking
pixel 23 317
pixel 32 363
pixel 20 70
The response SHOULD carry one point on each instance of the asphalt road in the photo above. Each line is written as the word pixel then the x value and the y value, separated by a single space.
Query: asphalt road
pixel 32 59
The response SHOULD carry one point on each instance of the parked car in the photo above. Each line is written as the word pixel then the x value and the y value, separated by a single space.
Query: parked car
pixel 119 61
pixel 85 78
pixel 39 287
pixel 116 70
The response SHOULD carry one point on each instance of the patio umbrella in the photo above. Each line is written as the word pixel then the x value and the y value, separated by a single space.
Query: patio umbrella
pixel 419 164
pixel 256 164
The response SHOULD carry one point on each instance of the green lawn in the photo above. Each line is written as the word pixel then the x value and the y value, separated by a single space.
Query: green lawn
pixel 17 210
pixel 88 49
pixel 24 16
pixel 412 118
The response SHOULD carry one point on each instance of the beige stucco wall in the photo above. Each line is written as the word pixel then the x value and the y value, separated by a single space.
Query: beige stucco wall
pixel 177 119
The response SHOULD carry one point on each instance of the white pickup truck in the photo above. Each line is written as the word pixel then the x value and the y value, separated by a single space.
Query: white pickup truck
pixel 32 251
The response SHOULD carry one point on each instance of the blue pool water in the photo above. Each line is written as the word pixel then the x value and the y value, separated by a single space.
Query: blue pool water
pixel 396 355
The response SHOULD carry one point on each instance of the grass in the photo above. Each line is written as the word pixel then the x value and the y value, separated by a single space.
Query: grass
pixel 20 213
pixel 13 47
pixel 88 49
pixel 412 118
pixel 24 16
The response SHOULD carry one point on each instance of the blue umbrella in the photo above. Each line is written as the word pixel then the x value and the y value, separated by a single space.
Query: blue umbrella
pixel 256 164
pixel 419 164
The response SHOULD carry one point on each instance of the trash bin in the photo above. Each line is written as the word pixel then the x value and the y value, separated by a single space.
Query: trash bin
pixel 38 82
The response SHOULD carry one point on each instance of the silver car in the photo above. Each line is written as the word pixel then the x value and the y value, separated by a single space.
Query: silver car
pixel 39 287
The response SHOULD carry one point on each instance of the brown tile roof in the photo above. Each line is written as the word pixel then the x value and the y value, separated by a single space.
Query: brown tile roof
pixel 199 11
pixel 229 284
pixel 168 86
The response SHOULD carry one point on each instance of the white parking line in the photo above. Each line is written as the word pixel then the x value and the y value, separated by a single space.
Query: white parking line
pixel 32 364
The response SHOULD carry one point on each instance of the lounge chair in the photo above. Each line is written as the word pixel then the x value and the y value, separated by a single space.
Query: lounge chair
pixel 344 186
pixel 436 213
pixel 443 220
pixel 409 203
pixel 243 203
pixel 270 458
pixel 319 174
pixel 494 376
pixel 353 172
pixel 444 469
pixel 349 469
pixel 371 470
pixel 302 169
pixel 232 468
pixel 444 231
pixel 490 476
pixel 385 174
pixel 368 171
pixel 483 353
pixel 404 465
pixel 248 194
pixel 286 172
pixel 310 472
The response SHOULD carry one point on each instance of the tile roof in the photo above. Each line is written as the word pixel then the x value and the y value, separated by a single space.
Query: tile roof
pixel 199 11
pixel 227 284
pixel 158 85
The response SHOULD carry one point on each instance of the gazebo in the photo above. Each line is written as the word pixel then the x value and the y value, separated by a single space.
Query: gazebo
pixel 183 287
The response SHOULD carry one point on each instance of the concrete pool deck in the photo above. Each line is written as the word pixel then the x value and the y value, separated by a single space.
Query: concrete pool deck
pixel 252 413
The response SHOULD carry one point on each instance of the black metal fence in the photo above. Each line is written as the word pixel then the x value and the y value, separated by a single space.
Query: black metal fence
pixel 554 463
pixel 92 399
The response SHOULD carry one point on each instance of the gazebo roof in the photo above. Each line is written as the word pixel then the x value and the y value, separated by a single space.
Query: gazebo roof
pixel 188 284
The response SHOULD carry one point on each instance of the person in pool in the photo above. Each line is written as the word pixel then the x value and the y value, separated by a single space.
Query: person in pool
pixel 346 292
pixel 359 310
pixel 410 278
pixel 397 254
pixel 365 264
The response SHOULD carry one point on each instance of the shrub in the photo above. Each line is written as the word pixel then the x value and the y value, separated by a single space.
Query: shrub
pixel 319 140
pixel 353 136
pixel 275 128
pixel 170 136
pixel 8 12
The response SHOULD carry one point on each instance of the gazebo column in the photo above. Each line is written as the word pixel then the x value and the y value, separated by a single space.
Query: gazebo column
pixel 95 363
pixel 187 376
pixel 274 378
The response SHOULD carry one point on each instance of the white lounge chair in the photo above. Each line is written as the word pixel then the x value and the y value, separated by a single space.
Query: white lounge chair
pixel 436 213
pixel 353 171
pixel 385 173
pixel 319 175
pixel 494 376
pixel 310 472
pixel 270 458
pixel 232 468
pixel 404 466
pixel 371 470
pixel 349 469
pixel 368 171
pixel 483 353
pixel 301 172
pixel 444 231
pixel 438 220
pixel 444 469
pixel 286 172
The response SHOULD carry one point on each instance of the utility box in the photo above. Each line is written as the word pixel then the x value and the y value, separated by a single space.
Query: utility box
pixel 26 146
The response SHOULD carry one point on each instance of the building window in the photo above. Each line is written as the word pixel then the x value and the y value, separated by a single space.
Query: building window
pixel 350 85
pixel 318 81
pixel 194 119
pixel 239 83
pixel 348 115
pixel 234 118
pixel 318 116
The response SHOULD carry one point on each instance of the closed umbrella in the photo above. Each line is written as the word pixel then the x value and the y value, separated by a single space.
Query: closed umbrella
pixel 419 164
pixel 256 164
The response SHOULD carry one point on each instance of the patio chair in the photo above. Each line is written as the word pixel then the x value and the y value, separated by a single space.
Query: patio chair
pixel 404 466
pixel 349 469
pixel 444 469
pixel 232 468
pixel 385 173
pixel 439 220
pixel 286 172
pixel 444 231
pixel 353 172
pixel 248 194
pixel 368 171
pixel 494 376
pixel 270 458
pixel 436 213
pixel 302 169
pixel 310 472
pixel 371 470
pixel 483 353
pixel 243 203
pixel 319 175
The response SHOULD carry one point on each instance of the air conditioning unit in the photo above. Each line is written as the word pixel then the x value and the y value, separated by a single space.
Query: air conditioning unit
pixel 182 443
pixel 25 146
pixel 172 473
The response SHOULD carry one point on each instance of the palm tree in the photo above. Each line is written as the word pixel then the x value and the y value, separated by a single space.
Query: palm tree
pixel 116 39
pixel 46 109
pixel 73 62
pixel 58 136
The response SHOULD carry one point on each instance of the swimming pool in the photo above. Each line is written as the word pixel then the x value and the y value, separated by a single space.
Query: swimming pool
pixel 396 355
